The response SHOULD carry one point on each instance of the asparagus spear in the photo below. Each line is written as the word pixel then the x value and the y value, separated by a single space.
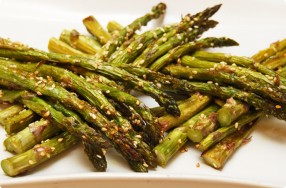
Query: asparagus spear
pixel 33 134
pixel 95 28
pixel 113 26
pixel 268 52
pixel 30 159
pixel 182 86
pixel 10 112
pixel 118 135
pixel 19 121
pixel 58 46
pixel 221 133
pixel 276 61
pixel 205 123
pixel 129 30
pixel 175 37
pixel 190 107
pixel 177 137
pixel 136 47
pixel 91 92
pixel 18 51
pixel 181 50
pixel 170 145
pixel 83 43
pixel 230 111
pixel 242 61
pixel 231 75
pixel 218 155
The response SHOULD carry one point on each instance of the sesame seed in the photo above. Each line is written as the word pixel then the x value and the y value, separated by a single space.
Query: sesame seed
pixel 236 125
pixel 46 114
pixel 198 165
pixel 103 129
pixel 270 89
pixel 164 39
pixel 278 106
pixel 145 164
pixel 138 136
pixel 140 84
pixel 139 46
pixel 60 139
pixel 39 93
pixel 159 85
pixel 98 156
pixel 137 102
pixel 31 162
pixel 214 165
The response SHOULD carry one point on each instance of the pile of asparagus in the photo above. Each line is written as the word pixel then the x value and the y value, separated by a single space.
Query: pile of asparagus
pixel 81 92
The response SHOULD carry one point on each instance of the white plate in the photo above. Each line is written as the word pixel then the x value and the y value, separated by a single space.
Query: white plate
pixel 253 23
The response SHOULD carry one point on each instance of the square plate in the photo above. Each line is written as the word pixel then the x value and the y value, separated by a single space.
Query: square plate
pixel 253 23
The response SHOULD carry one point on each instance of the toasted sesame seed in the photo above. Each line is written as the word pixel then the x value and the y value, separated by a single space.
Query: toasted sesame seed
pixel 60 139
pixel 39 93
pixel 137 102
pixel 139 46
pixel 278 106
pixel 236 125
pixel 138 136
pixel 98 156
pixel 145 164
pixel 31 162
pixel 198 165
pixel 103 129
pixel 140 84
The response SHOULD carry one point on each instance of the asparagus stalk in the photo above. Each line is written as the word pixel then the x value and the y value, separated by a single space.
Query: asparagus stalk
pixel 113 26
pixel 177 137
pixel 218 155
pixel 30 159
pixel 57 46
pixel 242 61
pixel 268 52
pixel 230 111
pixel 231 75
pixel 91 92
pixel 136 47
pixel 170 145
pixel 181 50
pixel 276 61
pixel 19 121
pixel 129 30
pixel 202 124
pixel 83 43
pixel 175 85
pixel 110 129
pixel 189 108
pixel 33 134
pixel 95 28
pixel 10 112
pixel 221 133
pixel 174 37
pixel 24 53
